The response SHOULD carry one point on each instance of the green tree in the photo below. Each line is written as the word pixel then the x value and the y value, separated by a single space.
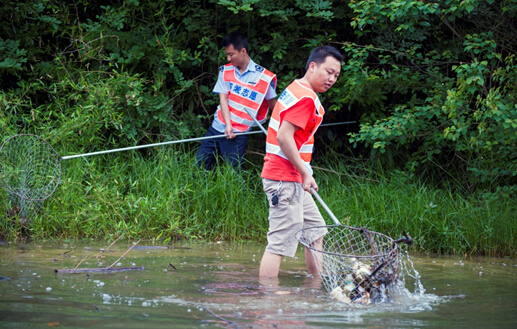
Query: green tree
pixel 438 84
pixel 433 84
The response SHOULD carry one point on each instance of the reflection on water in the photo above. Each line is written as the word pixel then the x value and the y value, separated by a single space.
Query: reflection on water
pixel 218 285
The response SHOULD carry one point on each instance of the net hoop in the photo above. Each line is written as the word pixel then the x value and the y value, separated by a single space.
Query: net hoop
pixel 30 167
pixel 300 236
pixel 355 263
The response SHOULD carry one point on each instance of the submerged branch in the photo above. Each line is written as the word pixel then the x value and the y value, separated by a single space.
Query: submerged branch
pixel 215 315
pixel 124 254
pixel 99 270
pixel 81 262
pixel 104 250
pixel 63 254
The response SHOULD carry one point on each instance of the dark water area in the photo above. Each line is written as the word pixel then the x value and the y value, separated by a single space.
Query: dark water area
pixel 217 285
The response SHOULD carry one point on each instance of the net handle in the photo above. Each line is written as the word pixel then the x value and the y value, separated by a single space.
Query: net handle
pixel 155 144
pixel 324 205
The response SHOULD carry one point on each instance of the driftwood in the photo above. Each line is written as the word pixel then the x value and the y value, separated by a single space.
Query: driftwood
pixel 108 269
pixel 84 258
pixel 124 254
pixel 104 250
pixel 170 265
pixel 63 254
pixel 99 270
pixel 160 247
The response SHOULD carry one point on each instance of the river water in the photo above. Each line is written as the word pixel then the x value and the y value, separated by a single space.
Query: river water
pixel 216 285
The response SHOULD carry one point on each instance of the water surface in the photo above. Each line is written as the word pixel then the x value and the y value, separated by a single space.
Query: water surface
pixel 216 285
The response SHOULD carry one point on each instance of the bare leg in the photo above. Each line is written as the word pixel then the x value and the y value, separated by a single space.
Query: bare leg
pixel 269 282
pixel 312 266
pixel 270 264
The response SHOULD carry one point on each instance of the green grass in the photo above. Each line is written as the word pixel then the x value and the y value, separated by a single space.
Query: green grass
pixel 162 195
pixel 439 220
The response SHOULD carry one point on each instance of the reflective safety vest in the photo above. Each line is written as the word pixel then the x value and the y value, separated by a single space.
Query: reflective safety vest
pixel 244 95
pixel 295 92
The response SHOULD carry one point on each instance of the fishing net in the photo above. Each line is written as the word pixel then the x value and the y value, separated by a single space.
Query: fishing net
pixel 30 170
pixel 355 264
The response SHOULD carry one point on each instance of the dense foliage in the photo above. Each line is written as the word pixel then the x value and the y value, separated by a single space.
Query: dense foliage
pixel 432 84
pixel 445 79
pixel 96 74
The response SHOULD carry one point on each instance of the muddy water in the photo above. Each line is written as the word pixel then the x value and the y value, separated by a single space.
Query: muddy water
pixel 216 285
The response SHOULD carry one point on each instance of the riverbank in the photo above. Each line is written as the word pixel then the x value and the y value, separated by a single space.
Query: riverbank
pixel 162 195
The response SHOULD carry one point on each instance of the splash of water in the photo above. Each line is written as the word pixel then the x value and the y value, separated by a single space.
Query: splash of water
pixel 398 295
pixel 408 268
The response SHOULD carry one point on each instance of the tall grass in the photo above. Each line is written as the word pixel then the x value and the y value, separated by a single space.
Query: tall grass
pixel 439 220
pixel 161 194
pixel 158 194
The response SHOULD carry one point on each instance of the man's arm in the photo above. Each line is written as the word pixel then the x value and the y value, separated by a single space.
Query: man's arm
pixel 271 102
pixel 225 111
pixel 285 138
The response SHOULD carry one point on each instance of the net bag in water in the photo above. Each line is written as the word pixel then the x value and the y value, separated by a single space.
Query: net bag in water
pixel 355 264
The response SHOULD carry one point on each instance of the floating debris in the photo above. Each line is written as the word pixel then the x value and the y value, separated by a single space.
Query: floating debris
pixel 160 248
pixel 340 295
pixel 99 270
pixel 360 262
pixel 361 284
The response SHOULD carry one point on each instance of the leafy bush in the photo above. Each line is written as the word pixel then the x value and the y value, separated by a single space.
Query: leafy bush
pixel 439 79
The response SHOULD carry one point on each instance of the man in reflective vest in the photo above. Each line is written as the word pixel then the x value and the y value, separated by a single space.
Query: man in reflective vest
pixel 287 174
pixel 243 87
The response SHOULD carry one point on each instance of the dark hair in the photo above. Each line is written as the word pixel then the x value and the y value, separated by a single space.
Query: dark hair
pixel 320 54
pixel 237 39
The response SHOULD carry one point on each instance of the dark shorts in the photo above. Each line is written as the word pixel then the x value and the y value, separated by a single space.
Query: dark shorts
pixel 232 150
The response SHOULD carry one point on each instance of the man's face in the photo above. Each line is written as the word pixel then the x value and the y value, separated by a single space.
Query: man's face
pixel 323 76
pixel 234 56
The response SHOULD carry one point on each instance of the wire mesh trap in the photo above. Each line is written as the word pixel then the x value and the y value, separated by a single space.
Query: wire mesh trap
pixel 31 170
pixel 29 167
pixel 355 265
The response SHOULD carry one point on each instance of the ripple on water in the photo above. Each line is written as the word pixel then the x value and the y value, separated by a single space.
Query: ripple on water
pixel 208 287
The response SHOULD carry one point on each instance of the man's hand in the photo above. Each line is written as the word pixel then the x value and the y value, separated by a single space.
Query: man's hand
pixel 229 132
pixel 308 182
pixel 225 111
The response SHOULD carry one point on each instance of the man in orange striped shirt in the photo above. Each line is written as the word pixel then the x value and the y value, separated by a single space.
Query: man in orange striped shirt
pixel 243 87
pixel 287 175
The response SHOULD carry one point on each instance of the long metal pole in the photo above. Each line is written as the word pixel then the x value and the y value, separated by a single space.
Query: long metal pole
pixel 183 141
pixel 337 123
pixel 155 144
pixel 324 205
pixel 313 191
